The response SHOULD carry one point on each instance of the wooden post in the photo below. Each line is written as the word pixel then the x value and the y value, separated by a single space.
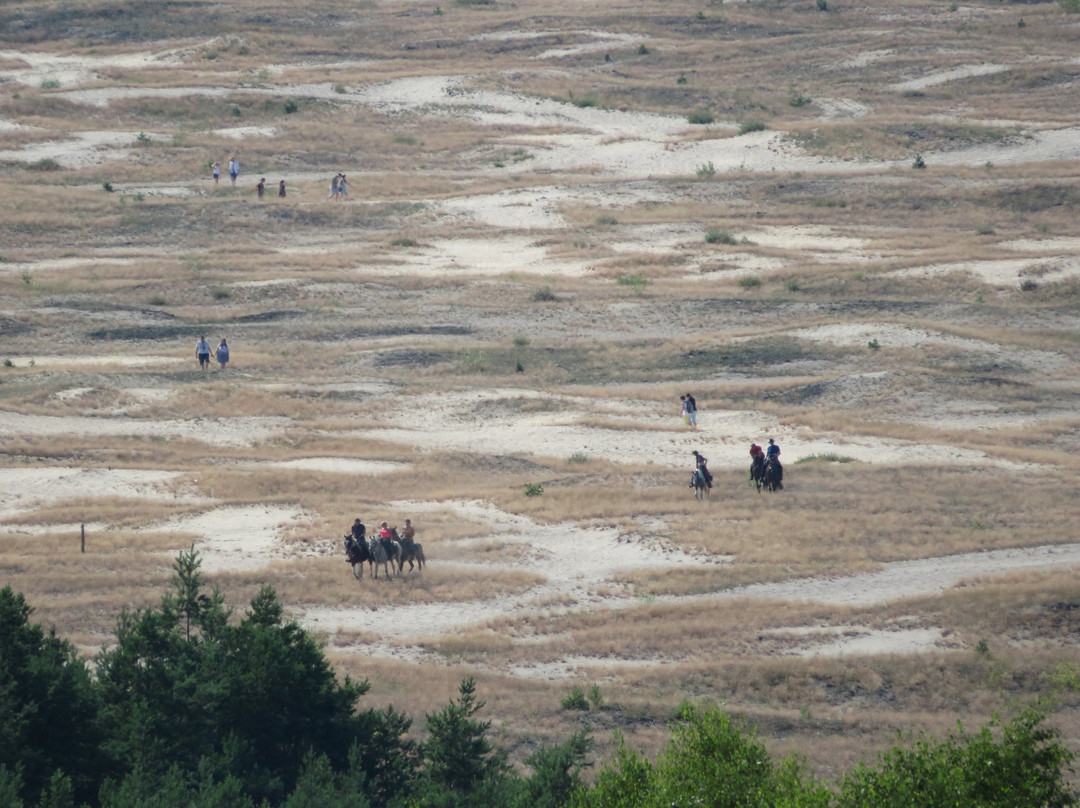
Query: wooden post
pixel 82 530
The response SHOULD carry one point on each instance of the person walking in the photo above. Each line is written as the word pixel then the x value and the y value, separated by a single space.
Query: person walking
pixel 691 410
pixel 223 353
pixel 261 187
pixel 216 168
pixel 334 186
pixel 202 352
pixel 234 170
pixel 685 415
pixel 281 190
pixel 342 190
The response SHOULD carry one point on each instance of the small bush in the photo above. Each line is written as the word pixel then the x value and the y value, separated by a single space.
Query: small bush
pixel 518 367
pixel 44 164
pixel 543 295
pixel 642 50
pixel 986 230
pixel 575 700
pixel 596 699
pixel 799 100
pixel 578 457
pixel 706 170
pixel 1028 285
pixel 142 139
pixel 874 345
pixel 585 101
pixel 752 126
pixel 107 186
pixel 533 489
pixel 719 237
pixel 918 162
pixel 825 458
pixel 218 293
pixel 157 300
pixel 403 242
pixel 49 84
pixel 792 284
pixel 637 282
pixel 701 116
pixel 606 221
pixel 521 342
pixel 290 107
pixel 27 277
pixel 681 79
pixel 339 87
pixel 749 282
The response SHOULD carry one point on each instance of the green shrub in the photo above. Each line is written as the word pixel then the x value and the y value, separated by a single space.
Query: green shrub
pixel 637 282
pixel 575 700
pixel 585 101
pixel 157 300
pixel 403 242
pixel 1029 285
pixel 701 116
pixel 290 107
pixel 533 489
pixel 107 186
pixel 918 162
pixel 749 282
pixel 339 87
pixel 828 457
pixel 219 293
pixel 49 84
pixel 706 170
pixel 719 237
pixel 606 221
pixel 543 295
pixel 1071 6
pixel 752 126
pixel 642 50
pixel 578 457
pixel 797 99
pixel 873 344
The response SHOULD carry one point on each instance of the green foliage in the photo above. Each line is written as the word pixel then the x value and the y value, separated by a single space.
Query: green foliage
pixel 637 282
pixel 918 162
pixel 575 700
pixel 752 126
pixel 749 282
pixel 403 242
pixel 578 457
pixel 585 101
pixel 44 164
pixel 642 50
pixel 1020 764
pixel 533 489
pixel 797 99
pixel 827 457
pixel 1029 285
pixel 706 170
pixel 719 237
pixel 606 221
pixel 49 84
pixel 460 761
pixel 596 698
pixel 290 107
pixel 874 345
pixel 1071 6
pixel 556 772
pixel 700 116
pixel 107 187
pixel 183 685
pixel 543 295
pixel 48 709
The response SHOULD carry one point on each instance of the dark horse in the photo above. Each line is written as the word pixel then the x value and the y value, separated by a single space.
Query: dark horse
pixel 411 551
pixel 356 553
pixel 774 476
pixel 757 472
pixel 700 484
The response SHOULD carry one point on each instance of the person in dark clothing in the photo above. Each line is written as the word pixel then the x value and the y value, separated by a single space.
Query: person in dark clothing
pixel 702 463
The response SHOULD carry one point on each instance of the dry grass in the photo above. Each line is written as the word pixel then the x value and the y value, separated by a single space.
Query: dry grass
pixel 340 335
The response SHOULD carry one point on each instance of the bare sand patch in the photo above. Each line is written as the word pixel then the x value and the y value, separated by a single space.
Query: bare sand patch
pixel 22 490
pixel 237 431
pixel 936 77
pixel 838 641
pixel 238 538
pixel 122 360
pixel 496 255
pixel 241 132
pixel 1003 271
pixel 339 465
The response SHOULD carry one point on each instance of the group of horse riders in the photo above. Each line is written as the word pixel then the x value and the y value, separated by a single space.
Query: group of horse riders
pixel 761 460
pixel 356 543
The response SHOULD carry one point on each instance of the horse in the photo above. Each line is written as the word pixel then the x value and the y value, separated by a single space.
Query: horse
pixel 356 553
pixel 773 476
pixel 757 472
pixel 700 484
pixel 411 551
pixel 380 556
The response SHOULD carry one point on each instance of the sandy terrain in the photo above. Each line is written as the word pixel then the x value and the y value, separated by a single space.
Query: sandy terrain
pixel 892 328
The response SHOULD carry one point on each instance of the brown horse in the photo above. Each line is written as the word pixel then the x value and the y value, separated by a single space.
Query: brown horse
pixel 411 551
pixel 356 553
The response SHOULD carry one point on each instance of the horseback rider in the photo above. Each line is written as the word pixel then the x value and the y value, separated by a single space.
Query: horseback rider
pixel 756 453
pixel 385 537
pixel 408 532
pixel 356 540
pixel 702 465
pixel 772 451
pixel 772 461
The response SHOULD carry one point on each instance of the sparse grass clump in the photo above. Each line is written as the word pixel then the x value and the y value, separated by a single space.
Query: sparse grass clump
pixel 543 295
pixel 706 170
pixel 700 116
pixel 749 282
pixel 636 281
pixel 746 127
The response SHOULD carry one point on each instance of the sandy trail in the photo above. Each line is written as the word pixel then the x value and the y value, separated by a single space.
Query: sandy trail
pixel 235 431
